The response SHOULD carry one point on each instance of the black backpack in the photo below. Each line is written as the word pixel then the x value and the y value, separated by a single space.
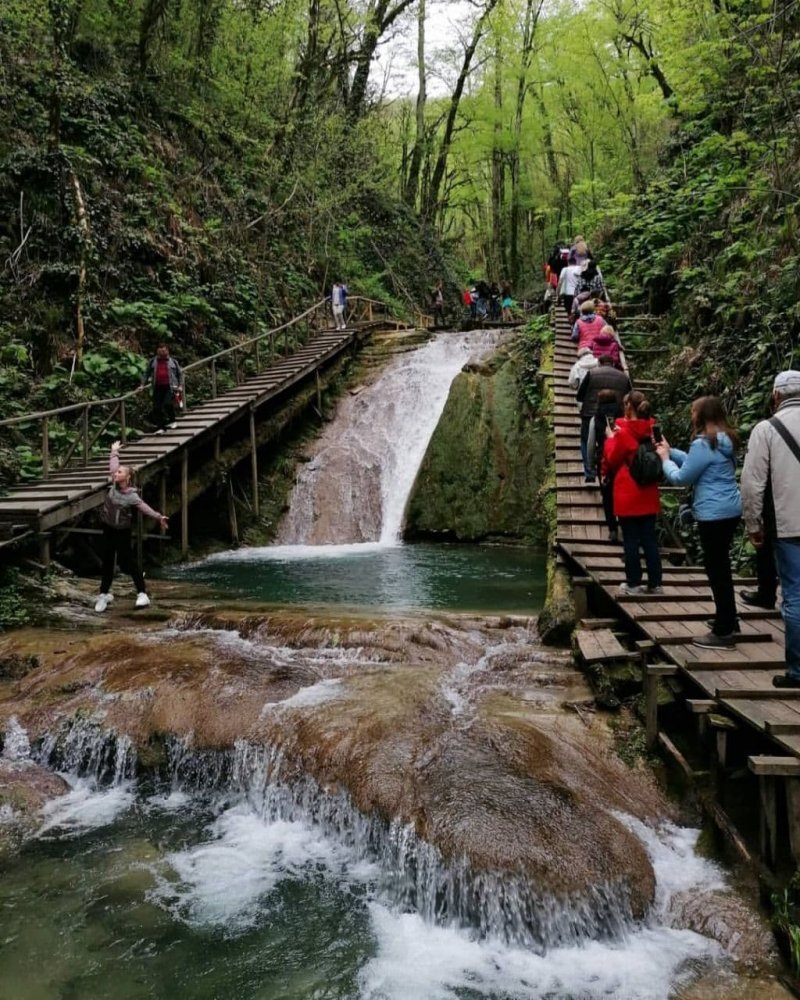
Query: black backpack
pixel 646 469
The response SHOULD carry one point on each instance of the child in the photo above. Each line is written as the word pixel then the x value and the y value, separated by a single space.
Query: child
pixel 116 516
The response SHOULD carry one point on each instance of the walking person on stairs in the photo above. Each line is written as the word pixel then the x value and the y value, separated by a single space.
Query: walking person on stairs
pixel 773 463
pixel 165 375
pixel 338 303
pixel 117 520
pixel 636 505
pixel 709 467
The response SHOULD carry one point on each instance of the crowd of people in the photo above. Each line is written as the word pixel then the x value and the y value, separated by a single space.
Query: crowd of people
pixel 625 452
pixel 489 301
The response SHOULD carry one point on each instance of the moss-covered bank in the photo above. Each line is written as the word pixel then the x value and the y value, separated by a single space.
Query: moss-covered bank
pixel 484 465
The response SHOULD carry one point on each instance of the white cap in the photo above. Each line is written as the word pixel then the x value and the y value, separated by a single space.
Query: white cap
pixel 787 382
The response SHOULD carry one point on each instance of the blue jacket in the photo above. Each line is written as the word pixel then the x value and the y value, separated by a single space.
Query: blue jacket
pixel 712 473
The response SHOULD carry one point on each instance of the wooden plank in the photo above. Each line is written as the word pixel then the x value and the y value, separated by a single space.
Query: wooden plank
pixel 598 645
pixel 773 766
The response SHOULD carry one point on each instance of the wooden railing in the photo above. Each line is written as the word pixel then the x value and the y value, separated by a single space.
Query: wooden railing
pixel 232 365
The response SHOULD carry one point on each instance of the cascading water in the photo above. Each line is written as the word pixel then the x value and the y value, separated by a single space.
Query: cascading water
pixel 356 486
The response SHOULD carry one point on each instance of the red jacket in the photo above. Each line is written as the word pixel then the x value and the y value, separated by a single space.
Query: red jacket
pixel 630 499
pixel 587 330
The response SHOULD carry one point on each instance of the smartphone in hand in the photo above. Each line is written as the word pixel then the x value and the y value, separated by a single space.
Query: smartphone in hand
pixel 658 437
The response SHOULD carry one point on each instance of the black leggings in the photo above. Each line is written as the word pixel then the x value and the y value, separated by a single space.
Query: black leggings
pixel 716 538
pixel 117 547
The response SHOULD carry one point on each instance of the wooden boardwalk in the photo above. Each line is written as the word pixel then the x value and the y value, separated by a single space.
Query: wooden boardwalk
pixel 39 506
pixel 735 682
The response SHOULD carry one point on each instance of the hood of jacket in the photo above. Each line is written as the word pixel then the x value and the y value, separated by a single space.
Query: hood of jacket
pixel 604 340
pixel 640 428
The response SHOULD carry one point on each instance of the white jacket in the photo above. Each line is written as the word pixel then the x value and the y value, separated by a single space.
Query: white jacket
pixel 768 460
pixel 580 369
pixel 569 279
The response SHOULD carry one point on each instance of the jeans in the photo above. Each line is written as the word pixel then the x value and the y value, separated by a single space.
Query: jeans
pixel 586 423
pixel 117 547
pixel 716 538
pixel 640 532
pixel 787 557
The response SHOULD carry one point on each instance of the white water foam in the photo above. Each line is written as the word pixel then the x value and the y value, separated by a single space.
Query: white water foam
pixel 225 881
pixel 16 745
pixel 86 806
pixel 297 553
pixel 315 694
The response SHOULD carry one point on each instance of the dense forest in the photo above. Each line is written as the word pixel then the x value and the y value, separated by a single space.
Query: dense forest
pixel 198 170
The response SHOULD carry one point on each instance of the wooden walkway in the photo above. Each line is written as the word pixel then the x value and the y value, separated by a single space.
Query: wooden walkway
pixel 38 506
pixel 736 682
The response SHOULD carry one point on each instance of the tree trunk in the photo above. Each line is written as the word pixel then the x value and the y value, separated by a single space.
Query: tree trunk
pixel 412 182
pixel 153 13
pixel 498 169
pixel 432 200
pixel 379 18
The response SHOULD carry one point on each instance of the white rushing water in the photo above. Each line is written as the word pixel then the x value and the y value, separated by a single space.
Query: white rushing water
pixel 356 486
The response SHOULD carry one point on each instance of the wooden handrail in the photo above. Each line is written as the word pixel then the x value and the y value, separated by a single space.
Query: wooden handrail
pixel 72 408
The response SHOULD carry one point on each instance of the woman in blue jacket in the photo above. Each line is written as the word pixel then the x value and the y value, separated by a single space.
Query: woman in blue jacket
pixel 709 467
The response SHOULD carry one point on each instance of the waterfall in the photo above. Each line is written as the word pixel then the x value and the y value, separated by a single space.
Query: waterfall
pixel 356 486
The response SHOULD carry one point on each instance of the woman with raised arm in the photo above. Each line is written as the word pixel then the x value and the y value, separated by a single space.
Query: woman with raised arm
pixel 709 467
pixel 121 501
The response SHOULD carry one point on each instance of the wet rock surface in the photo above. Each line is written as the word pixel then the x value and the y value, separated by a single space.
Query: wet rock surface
pixel 25 788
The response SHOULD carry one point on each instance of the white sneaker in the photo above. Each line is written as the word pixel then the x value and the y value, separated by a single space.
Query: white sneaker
pixel 142 600
pixel 102 602
pixel 160 430
pixel 173 425
pixel 625 588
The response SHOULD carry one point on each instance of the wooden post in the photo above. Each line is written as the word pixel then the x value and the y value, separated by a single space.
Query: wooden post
pixel 85 433
pixel 254 460
pixel 123 421
pixel 185 503
pixel 769 818
pixel 218 448
pixel 139 540
pixel 45 447
pixel 214 379
pixel 369 312
pixel 44 549
pixel 232 520
pixel 580 595
pixel 163 494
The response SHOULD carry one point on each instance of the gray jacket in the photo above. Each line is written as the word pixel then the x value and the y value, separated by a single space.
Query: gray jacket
pixel 174 369
pixel 769 459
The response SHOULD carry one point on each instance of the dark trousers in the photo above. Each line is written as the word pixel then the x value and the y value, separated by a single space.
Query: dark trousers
pixel 116 547
pixel 163 407
pixel 640 533
pixel 765 571
pixel 716 538
pixel 607 493
pixel 566 302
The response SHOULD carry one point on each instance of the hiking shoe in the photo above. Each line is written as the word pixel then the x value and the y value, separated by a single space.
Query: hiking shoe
pixel 712 641
pixel 754 599
pixel 589 479
pixel 142 600
pixel 786 681
pixel 629 590
pixel 655 590
pixel 173 425
pixel 160 430
pixel 102 602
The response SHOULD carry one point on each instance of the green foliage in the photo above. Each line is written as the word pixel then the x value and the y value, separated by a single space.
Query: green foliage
pixel 786 918
pixel 13 610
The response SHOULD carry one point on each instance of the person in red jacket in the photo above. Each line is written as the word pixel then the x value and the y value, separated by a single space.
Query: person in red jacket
pixel 636 507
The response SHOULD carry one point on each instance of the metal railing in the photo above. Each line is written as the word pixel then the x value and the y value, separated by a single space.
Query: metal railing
pixel 243 359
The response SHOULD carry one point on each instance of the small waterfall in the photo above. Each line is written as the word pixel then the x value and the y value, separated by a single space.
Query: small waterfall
pixel 356 486
pixel 85 749
pixel 16 745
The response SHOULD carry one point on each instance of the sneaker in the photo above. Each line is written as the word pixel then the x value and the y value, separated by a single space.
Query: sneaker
pixel 160 430
pixel 173 425
pixel 102 602
pixel 786 681
pixel 629 590
pixel 754 599
pixel 712 641
pixel 589 479
pixel 142 600
pixel 655 590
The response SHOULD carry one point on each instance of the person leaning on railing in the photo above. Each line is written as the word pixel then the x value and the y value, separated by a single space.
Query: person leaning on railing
pixel 117 519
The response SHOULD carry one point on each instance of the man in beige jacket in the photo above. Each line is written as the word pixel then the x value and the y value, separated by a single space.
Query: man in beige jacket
pixel 773 460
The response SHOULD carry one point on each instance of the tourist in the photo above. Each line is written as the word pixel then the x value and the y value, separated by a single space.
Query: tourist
pixel 164 374
pixel 466 298
pixel 586 361
pixel 494 301
pixel 437 301
pixel 507 302
pixel 592 281
pixel 117 517
pixel 587 327
pixel 555 265
pixel 766 592
pixel 604 376
pixel 338 303
pixel 568 284
pixel 773 462
pixel 636 504
pixel 607 343
pixel 609 410
pixel 709 467
pixel 580 251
